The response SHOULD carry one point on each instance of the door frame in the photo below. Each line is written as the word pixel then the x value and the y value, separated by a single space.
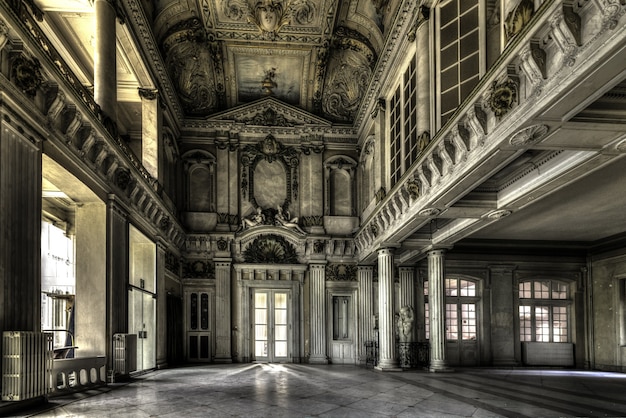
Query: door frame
pixel 271 277
pixel 271 322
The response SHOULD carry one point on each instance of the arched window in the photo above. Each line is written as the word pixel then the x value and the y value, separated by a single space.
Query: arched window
pixel 200 170
pixel 544 309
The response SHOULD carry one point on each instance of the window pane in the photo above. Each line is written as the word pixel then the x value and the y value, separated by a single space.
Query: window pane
pixel 280 349
pixel 260 316
pixel 260 300
pixel 280 316
pixel 451 287
pixel 542 323
pixel 260 332
pixel 468 288
pixel 426 321
pixel 468 316
pixel 280 300
pixel 559 324
pixel 280 333
pixel 525 323
pixel 452 322
pixel 542 290
pixel 525 290
pixel 260 349
pixel 559 290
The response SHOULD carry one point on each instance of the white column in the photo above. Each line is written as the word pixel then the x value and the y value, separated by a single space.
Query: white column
pixel 317 312
pixel 437 305
pixel 222 312
pixel 105 77
pixel 366 308
pixel 386 324
pixel 161 308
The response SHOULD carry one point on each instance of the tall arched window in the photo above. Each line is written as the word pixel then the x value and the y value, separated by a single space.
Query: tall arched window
pixel 544 311
pixel 200 171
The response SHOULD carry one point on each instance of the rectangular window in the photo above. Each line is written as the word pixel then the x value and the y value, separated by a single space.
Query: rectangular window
pixel 403 123
pixel 525 323
pixel 459 61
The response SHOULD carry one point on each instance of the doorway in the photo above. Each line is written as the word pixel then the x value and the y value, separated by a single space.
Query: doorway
pixel 272 319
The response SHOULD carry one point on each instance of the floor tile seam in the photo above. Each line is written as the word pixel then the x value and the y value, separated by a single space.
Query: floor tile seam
pixel 461 398
pixel 553 389
pixel 530 399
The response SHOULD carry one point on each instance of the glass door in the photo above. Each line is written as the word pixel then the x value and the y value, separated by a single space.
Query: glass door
pixel 272 327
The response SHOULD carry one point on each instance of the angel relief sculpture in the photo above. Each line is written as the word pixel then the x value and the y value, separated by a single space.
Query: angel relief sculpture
pixel 277 217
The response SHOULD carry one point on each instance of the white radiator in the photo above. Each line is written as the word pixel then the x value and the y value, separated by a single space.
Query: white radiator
pixel 124 353
pixel 26 364
pixel 547 354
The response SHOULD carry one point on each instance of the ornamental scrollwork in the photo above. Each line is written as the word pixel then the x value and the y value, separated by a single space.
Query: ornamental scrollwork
pixel 198 270
pixel 413 188
pixel 341 272
pixel 529 135
pixel 518 18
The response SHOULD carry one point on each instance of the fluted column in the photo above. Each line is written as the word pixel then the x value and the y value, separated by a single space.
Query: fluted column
pixel 386 327
pixel 366 308
pixel 437 310
pixel 105 77
pixel 222 311
pixel 317 279
pixel 407 294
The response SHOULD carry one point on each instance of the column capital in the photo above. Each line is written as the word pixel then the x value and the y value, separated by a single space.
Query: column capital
pixel 148 94
pixel 365 268
pixel 402 269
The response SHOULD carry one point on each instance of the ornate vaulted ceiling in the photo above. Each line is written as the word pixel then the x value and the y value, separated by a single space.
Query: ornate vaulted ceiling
pixel 318 55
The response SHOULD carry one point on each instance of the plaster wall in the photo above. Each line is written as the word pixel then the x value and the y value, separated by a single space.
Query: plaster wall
pixel 606 321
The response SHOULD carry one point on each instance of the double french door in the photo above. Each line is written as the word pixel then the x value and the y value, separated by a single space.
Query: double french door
pixel 272 327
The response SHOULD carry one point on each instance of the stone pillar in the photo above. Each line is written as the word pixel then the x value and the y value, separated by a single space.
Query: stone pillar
pixel 90 331
pixel 407 295
pixel 222 311
pixel 105 77
pixel 424 88
pixel 386 324
pixel 151 122
pixel 502 314
pixel 366 308
pixel 117 272
pixel 20 228
pixel 437 309
pixel 317 313
pixel 161 308
pixel 238 324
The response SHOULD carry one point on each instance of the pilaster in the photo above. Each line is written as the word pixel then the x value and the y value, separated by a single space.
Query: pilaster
pixel 222 311
pixel 386 326
pixel 317 279
pixel 151 122
pixel 161 309
pixel 502 314
pixel 366 308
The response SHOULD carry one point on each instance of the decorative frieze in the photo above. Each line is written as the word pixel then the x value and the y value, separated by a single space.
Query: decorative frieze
pixel 341 272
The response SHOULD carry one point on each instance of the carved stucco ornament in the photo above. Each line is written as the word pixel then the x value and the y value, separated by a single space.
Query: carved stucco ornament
pixel 341 272
pixel 27 75
pixel 413 188
pixel 503 97
pixel 270 249
pixel 518 18
pixel 122 178
pixel 528 136
pixel 428 212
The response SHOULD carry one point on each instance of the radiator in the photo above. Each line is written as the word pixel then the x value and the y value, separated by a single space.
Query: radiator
pixel 26 364
pixel 124 353
pixel 548 354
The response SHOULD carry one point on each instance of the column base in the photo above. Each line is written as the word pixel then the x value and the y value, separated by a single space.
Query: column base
pixel 318 360
pixel 388 365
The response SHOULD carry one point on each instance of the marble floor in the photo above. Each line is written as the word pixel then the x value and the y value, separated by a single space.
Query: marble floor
pixel 298 390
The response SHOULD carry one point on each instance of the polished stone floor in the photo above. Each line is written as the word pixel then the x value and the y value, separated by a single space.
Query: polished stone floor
pixel 296 390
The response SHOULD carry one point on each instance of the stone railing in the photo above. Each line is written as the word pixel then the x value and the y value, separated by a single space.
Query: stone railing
pixel 76 374
pixel 562 40
pixel 64 112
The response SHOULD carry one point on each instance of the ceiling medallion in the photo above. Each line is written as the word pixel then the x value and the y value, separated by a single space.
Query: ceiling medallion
pixel 529 135
pixel 270 16
pixel 497 214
